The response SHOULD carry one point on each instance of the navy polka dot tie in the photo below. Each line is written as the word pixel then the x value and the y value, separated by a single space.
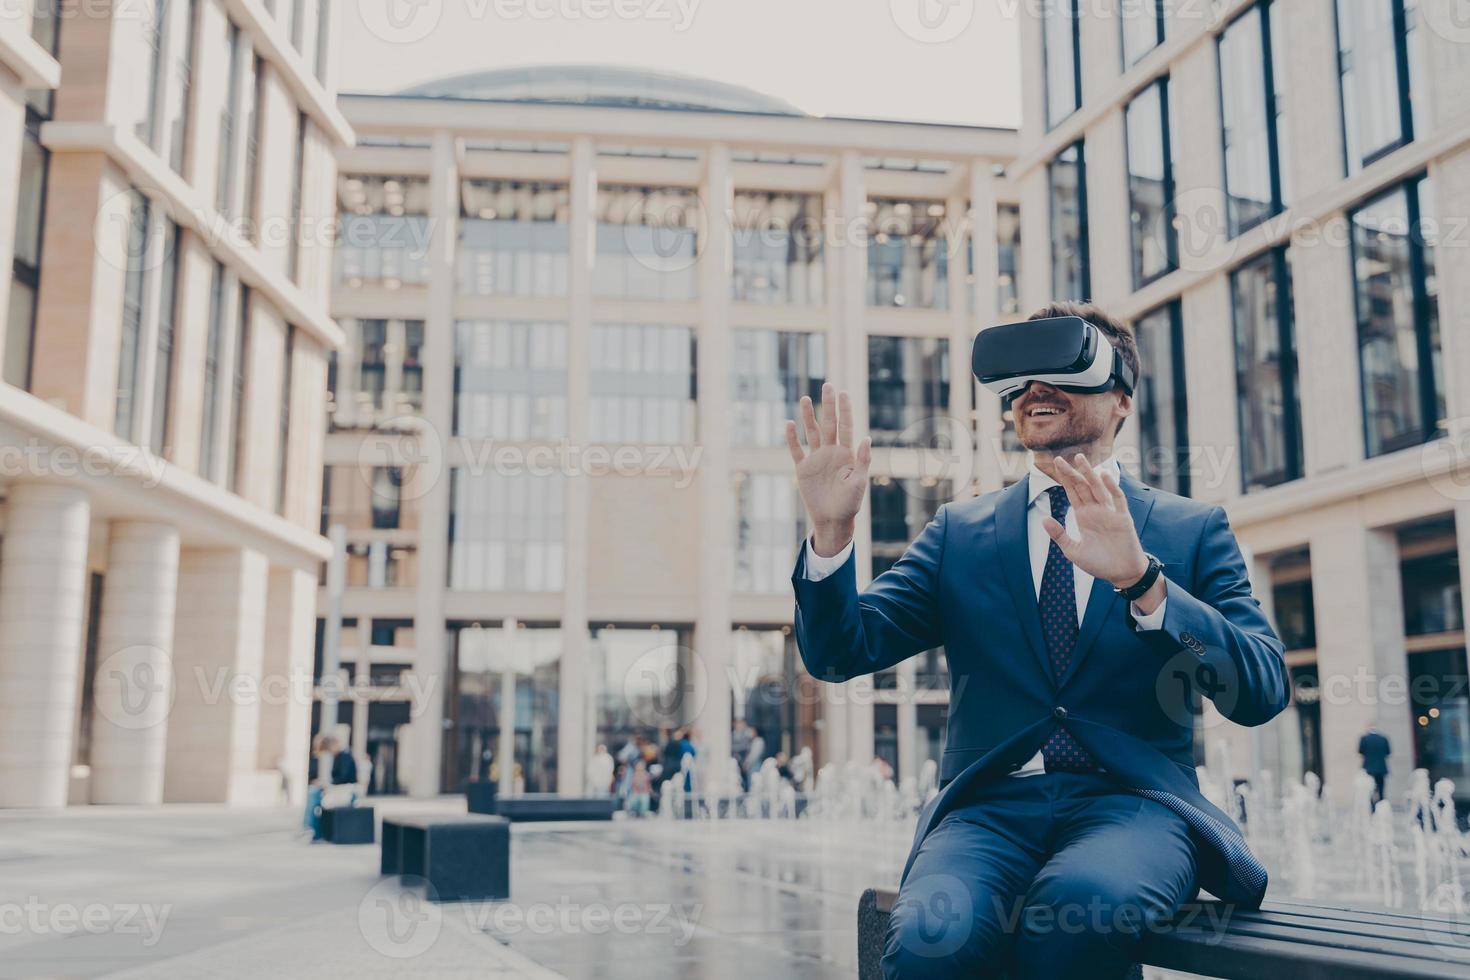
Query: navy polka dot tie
pixel 1058 606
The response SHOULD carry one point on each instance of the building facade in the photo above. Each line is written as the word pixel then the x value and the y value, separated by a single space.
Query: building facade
pixel 166 221
pixel 578 305
pixel 1276 193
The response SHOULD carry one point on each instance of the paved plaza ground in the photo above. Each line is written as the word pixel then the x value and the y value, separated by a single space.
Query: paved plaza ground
pixel 201 892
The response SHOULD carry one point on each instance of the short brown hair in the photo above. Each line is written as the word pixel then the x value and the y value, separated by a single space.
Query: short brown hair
pixel 1119 334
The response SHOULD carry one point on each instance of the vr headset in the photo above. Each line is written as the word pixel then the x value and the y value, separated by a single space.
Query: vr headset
pixel 1066 352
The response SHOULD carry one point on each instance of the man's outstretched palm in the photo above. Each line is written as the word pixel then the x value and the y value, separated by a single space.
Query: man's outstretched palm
pixel 831 475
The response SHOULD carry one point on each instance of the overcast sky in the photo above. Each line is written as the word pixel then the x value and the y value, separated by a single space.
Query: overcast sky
pixel 933 60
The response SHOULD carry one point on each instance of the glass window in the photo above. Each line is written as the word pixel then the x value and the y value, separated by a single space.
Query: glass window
pixel 1150 184
pixel 163 368
pixel 513 238
pixel 1061 46
pixel 770 524
pixel 647 243
pixel 254 86
pixel 135 296
pixel 1008 255
pixel 901 506
pixel 387 494
pixel 1441 711
pixel 1143 28
pixel 20 323
pixel 1067 191
pixel 283 426
pixel 1398 319
pixel 236 450
pixel 213 352
pixel 385 231
pixel 1378 61
pixel 642 384
pixel 1432 603
pixel 1252 106
pixel 908 390
pixel 485 660
pixel 229 125
pixel 298 177
pixel 1265 372
pixel 771 370
pixel 510 379
pixel 1292 600
pixel 1163 409
pixel 908 254
pixel 506 530
pixel 778 249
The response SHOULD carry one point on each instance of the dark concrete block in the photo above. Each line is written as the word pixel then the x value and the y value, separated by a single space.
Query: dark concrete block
pixel 549 806
pixel 348 825
pixel 480 797
pixel 461 858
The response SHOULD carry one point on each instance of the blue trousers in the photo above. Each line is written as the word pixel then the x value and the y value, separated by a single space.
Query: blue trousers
pixel 1055 875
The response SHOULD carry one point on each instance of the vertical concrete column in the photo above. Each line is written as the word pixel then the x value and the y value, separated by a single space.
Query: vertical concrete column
pixel 1450 176
pixel 713 642
pixel 505 742
pixel 831 714
pixel 573 727
pixel 134 680
pixel 852 373
pixel 431 482
pixel 219 645
pixel 285 710
pixel 43 584
pixel 1361 661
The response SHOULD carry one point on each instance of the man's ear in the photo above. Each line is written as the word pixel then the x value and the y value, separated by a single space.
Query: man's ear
pixel 1125 405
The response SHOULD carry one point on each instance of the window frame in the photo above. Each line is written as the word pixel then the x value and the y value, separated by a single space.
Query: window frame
pixel 1403 76
pixel 1166 138
pixel 1293 463
pixel 1084 249
pixel 1261 10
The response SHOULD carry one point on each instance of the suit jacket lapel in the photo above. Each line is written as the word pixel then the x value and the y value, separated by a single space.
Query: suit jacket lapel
pixel 1015 559
pixel 1100 602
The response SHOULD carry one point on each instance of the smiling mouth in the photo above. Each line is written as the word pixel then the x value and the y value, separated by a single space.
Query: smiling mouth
pixel 1044 411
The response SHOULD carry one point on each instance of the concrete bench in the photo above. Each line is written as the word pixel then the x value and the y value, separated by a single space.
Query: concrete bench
pixel 1282 939
pixel 347 824
pixel 549 806
pixel 462 858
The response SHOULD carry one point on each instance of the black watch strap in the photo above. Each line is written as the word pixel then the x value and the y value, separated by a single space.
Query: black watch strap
pixel 1135 591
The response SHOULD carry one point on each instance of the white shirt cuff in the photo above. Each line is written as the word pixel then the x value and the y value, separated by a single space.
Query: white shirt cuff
pixel 818 568
pixel 1153 621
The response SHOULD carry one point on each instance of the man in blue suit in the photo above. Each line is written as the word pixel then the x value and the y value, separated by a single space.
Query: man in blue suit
pixel 1070 820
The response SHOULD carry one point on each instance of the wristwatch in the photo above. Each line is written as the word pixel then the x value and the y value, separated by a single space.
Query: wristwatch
pixel 1135 591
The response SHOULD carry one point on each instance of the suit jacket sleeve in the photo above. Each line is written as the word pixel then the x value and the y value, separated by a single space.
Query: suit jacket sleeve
pixel 844 634
pixel 1222 623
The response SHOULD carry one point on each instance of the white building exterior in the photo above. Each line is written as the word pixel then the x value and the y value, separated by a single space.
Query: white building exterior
pixel 166 190
pixel 625 280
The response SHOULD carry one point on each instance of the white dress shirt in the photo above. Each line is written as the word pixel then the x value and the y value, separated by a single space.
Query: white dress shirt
pixel 818 567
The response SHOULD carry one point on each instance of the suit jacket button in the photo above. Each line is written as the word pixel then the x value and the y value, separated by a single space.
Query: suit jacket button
pixel 1059 713
pixel 1187 639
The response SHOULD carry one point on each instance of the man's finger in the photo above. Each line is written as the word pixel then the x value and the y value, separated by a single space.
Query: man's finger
pixel 1120 500
pixel 1072 482
pixel 809 422
pixel 829 413
pixel 1094 481
pixel 844 419
pixel 1057 533
pixel 793 442
pixel 865 453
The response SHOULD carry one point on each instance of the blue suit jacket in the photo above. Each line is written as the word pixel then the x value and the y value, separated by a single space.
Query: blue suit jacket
pixel 965 583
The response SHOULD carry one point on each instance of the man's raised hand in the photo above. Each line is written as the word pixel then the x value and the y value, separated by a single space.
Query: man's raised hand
pixel 832 476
